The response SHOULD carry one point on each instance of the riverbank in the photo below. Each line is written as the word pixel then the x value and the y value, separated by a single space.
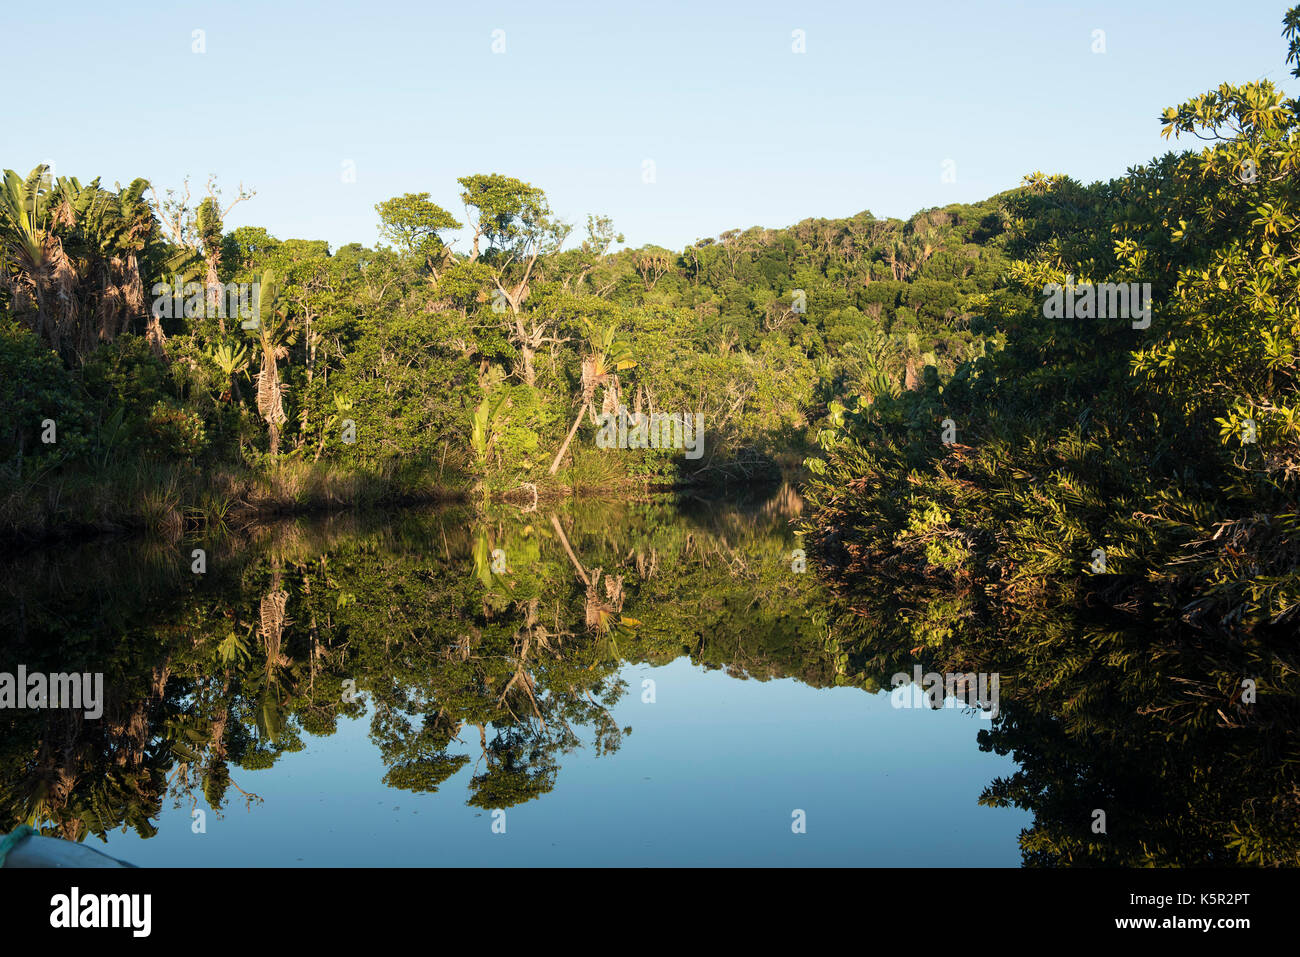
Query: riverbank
pixel 171 499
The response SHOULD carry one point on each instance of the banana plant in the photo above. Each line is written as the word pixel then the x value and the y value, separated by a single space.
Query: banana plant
pixel 486 417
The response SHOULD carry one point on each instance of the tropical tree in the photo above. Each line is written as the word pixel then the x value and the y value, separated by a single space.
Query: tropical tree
pixel 201 231
pixel 231 359
pixel 32 253
pixel 274 336
pixel 77 259
pixel 516 220
pixel 607 354
pixel 413 222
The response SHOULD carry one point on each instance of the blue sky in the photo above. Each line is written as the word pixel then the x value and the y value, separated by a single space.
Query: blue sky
pixel 741 130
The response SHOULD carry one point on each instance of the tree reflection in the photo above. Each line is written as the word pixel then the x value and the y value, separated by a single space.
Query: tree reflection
pixel 482 647
pixel 461 662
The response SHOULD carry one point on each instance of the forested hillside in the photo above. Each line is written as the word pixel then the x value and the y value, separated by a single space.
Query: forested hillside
pixel 1102 498
pixel 140 393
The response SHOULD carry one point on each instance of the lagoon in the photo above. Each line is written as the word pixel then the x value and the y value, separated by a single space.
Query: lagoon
pixel 646 685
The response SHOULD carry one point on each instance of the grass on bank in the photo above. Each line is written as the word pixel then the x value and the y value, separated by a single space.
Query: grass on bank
pixel 169 498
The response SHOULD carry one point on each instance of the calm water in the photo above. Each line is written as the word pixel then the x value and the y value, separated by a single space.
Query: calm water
pixel 710 774
pixel 608 684
pixel 650 684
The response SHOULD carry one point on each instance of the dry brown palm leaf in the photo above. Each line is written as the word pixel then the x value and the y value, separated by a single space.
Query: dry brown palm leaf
pixel 65 215
pixel 65 781
pixel 272 619
pixel 106 312
pixel 133 285
pixel 64 274
pixel 613 398
pixel 599 613
pixel 157 338
pixel 217 742
pixel 591 377
pixel 614 591
pixel 270 397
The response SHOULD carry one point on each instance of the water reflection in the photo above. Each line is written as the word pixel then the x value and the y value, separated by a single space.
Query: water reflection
pixel 506 630
pixel 499 642
pixel 1139 740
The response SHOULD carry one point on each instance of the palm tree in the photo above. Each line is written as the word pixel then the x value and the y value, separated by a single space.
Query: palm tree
pixel 274 338
pixel 30 248
pixel 112 239
pixel 231 360
pixel 76 256
pixel 607 354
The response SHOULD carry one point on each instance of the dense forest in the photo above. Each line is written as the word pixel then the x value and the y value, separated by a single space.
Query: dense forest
pixel 1119 499
pixel 138 394
pixel 1088 505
